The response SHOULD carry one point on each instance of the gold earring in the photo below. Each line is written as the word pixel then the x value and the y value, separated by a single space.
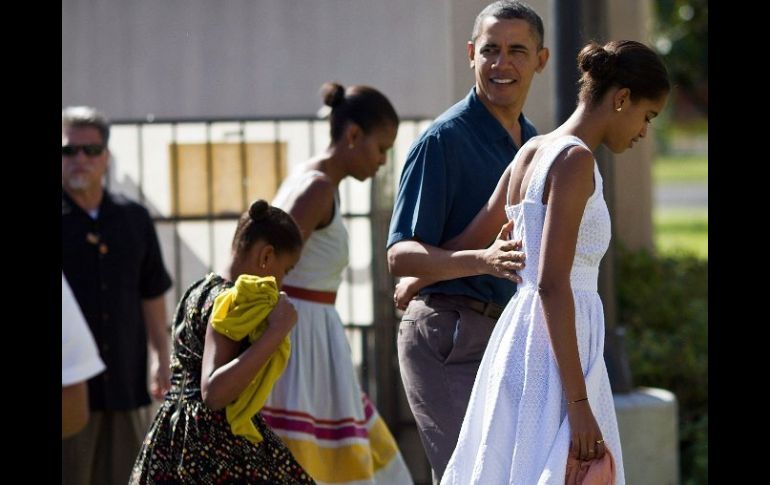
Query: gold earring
pixel 350 145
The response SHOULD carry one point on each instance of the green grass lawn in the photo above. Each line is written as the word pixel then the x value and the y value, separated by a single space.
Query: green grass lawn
pixel 680 168
pixel 681 230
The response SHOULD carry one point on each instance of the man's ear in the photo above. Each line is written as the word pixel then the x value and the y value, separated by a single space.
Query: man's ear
pixel 471 54
pixel 542 57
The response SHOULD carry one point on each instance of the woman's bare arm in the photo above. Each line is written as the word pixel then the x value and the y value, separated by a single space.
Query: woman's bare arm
pixel 571 184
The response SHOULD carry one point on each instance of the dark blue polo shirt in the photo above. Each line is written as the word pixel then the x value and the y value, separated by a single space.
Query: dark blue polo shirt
pixel 451 171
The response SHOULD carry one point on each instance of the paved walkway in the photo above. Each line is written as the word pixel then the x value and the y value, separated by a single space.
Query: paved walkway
pixel 681 195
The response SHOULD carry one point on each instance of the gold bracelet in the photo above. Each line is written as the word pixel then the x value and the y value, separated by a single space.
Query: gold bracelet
pixel 578 400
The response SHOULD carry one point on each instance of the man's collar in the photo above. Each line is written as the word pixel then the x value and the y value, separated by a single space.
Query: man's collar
pixel 491 127
pixel 68 204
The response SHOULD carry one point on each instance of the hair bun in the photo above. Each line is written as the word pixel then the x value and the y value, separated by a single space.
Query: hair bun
pixel 258 210
pixel 596 60
pixel 333 94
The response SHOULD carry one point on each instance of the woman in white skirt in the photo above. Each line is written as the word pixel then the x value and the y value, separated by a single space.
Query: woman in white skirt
pixel 317 407
pixel 541 410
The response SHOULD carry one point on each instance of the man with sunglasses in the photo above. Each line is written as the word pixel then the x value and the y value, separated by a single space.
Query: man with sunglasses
pixel 112 260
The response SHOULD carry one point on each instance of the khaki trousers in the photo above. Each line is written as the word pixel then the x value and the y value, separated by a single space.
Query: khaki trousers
pixel 440 345
pixel 105 451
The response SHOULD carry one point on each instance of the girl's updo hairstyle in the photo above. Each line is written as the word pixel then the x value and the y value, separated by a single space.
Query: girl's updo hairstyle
pixel 623 63
pixel 363 105
pixel 265 222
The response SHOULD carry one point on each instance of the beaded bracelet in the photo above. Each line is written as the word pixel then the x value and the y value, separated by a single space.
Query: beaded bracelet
pixel 578 400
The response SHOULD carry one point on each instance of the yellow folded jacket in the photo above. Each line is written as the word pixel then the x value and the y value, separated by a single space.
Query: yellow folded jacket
pixel 239 312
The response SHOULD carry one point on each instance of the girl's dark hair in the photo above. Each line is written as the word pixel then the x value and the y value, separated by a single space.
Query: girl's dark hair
pixel 363 105
pixel 624 63
pixel 265 222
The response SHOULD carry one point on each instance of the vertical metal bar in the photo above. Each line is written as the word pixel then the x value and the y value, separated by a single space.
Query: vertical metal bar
pixel 349 274
pixel 277 154
pixel 140 159
pixel 568 43
pixel 365 371
pixel 311 132
pixel 244 169
pixel 384 326
pixel 210 193
pixel 175 211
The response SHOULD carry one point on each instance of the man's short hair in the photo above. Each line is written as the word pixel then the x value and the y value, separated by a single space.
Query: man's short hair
pixel 84 116
pixel 511 9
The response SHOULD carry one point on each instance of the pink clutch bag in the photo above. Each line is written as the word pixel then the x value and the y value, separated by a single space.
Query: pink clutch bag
pixel 600 471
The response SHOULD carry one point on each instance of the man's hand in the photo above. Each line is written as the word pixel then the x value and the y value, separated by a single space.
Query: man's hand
pixel 406 289
pixel 504 257
pixel 161 380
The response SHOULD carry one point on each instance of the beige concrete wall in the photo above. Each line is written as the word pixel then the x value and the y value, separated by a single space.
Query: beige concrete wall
pixel 183 58
pixel 630 19
pixel 196 58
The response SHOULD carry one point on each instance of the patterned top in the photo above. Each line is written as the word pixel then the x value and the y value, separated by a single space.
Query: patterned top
pixel 187 441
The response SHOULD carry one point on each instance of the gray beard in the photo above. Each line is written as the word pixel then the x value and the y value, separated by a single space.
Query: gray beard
pixel 77 182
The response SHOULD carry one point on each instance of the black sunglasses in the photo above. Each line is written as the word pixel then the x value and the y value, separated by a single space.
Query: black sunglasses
pixel 90 150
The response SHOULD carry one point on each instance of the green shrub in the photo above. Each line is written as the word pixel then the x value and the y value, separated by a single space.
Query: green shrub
pixel 663 303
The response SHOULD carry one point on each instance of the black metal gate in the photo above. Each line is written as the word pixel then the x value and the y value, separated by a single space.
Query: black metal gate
pixel 196 176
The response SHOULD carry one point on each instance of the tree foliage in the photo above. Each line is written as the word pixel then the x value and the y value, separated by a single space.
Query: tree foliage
pixel 681 31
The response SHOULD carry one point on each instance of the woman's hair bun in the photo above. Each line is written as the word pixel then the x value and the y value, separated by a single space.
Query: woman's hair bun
pixel 258 210
pixel 333 94
pixel 596 61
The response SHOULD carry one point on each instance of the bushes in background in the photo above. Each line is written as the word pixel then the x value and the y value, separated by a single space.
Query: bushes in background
pixel 663 304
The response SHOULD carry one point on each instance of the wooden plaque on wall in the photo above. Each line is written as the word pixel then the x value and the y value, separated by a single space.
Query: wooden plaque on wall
pixel 224 178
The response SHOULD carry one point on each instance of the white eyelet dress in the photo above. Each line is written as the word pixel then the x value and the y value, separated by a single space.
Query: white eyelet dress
pixel 516 429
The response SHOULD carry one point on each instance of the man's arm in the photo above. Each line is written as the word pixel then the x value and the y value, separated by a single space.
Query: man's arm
pixel 79 361
pixel 415 258
pixel 154 311
pixel 74 408
pixel 463 255
pixel 502 259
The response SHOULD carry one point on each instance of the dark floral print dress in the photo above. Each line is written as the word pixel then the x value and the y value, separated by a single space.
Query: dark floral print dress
pixel 188 442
